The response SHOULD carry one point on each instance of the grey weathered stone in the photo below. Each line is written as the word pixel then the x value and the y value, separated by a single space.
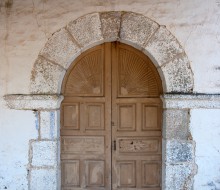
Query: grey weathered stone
pixel 43 179
pixel 48 125
pixel 46 77
pixel 110 25
pixel 179 151
pixel 163 46
pixel 44 153
pixel 191 101
pixel 33 102
pixel 61 49
pixel 176 124
pixel 86 30
pixel 180 176
pixel 178 75
pixel 136 28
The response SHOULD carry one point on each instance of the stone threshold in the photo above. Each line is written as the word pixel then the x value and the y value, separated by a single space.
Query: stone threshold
pixel 175 101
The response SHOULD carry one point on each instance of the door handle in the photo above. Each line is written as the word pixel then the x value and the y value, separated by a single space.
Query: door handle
pixel 114 145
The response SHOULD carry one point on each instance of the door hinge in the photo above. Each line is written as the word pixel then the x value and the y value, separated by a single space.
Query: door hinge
pixel 114 145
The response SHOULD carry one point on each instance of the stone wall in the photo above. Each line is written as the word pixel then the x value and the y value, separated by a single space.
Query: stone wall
pixel 29 138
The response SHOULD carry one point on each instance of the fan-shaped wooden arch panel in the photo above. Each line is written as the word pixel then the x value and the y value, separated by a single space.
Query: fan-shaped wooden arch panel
pixel 135 73
pixel 86 76
pixel 137 76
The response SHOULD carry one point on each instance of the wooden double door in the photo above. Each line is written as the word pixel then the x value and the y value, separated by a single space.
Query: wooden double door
pixel 111 121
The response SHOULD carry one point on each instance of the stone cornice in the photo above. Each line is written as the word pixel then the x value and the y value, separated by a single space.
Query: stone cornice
pixel 33 102
pixel 191 101
pixel 170 101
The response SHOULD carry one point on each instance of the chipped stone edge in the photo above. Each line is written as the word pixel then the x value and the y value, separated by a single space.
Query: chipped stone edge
pixel 33 102
pixel 191 101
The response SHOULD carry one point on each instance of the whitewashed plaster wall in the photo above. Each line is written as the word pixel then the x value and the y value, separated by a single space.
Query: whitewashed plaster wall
pixel 25 27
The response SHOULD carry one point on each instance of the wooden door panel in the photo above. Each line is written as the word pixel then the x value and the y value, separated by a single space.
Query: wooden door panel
pixel 126 172
pixel 138 145
pixel 86 123
pixel 126 117
pixel 136 117
pixel 95 116
pixel 83 145
pixel 70 173
pixel 95 173
pixel 151 117
pixel 111 121
pixel 71 116
pixel 151 172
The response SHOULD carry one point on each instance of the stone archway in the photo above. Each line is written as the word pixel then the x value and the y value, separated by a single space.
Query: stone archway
pixel 79 35
pixel 130 28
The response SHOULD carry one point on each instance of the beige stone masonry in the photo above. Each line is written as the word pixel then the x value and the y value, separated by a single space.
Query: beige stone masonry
pixel 170 101
pixel 46 77
pixel 136 29
pixel 95 28
pixel 163 46
pixel 177 73
pixel 176 124
pixel 191 101
pixel 61 49
pixel 86 30
pixel 110 25
pixel 33 102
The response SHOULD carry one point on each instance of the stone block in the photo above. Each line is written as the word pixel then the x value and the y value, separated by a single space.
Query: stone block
pixel 178 75
pixel 44 153
pixel 110 25
pixel 61 49
pixel 191 101
pixel 48 125
pixel 43 179
pixel 179 151
pixel 176 124
pixel 179 177
pixel 33 102
pixel 86 30
pixel 136 28
pixel 46 77
pixel 163 46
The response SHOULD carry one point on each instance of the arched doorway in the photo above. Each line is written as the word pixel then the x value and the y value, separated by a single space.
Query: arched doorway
pixel 111 120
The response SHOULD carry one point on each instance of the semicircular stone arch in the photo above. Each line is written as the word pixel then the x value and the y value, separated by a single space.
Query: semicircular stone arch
pixel 96 28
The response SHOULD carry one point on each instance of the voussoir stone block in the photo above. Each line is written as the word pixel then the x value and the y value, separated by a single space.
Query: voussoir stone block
pixel 86 30
pixel 44 153
pixel 163 46
pixel 46 77
pixel 136 28
pixel 178 75
pixel 61 49
pixel 43 179
pixel 180 176
pixel 110 22
pixel 176 124
pixel 179 151
pixel 48 125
